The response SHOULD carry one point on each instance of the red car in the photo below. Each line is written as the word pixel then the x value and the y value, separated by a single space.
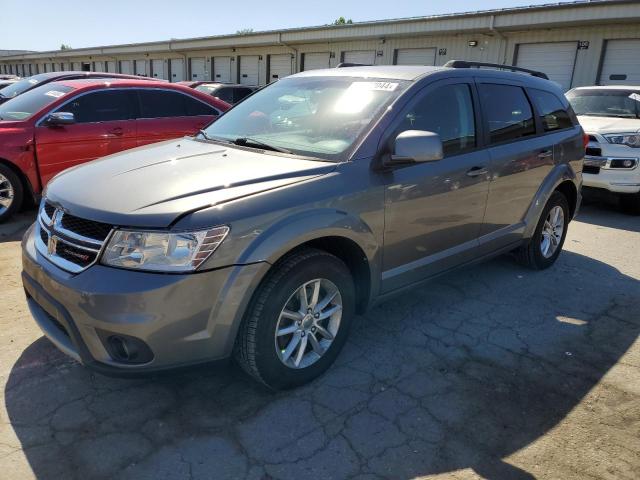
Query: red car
pixel 66 123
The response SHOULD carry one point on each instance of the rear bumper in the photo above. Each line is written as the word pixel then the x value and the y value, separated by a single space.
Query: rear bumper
pixel 183 319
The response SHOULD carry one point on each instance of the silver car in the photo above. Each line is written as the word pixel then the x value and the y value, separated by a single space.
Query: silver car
pixel 262 237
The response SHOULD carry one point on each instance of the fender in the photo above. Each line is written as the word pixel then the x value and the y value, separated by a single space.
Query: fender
pixel 560 173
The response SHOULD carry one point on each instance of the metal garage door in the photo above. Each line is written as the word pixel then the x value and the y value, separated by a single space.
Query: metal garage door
pixel 76 66
pixel 177 70
pixel 313 61
pixel 555 59
pixel 198 69
pixel 110 66
pixel 126 67
pixel 141 68
pixel 222 69
pixel 158 69
pixel 279 66
pixel 366 57
pixel 249 69
pixel 416 56
pixel 621 63
pixel 98 66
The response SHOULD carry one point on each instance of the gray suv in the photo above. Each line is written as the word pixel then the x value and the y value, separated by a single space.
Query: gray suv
pixel 262 236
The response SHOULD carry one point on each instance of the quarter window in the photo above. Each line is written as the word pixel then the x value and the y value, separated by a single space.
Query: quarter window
pixel 507 112
pixel 447 111
pixel 553 114
pixel 164 103
pixel 101 106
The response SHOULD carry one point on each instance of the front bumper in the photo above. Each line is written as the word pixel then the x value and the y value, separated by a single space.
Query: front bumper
pixel 598 171
pixel 183 319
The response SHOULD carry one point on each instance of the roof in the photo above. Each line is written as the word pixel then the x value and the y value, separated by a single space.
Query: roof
pixel 119 82
pixel 609 87
pixel 396 72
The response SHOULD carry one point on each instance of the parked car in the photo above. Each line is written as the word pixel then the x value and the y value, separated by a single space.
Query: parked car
pixel 26 84
pixel 229 92
pixel 611 117
pixel 262 240
pixel 192 83
pixel 7 81
pixel 66 123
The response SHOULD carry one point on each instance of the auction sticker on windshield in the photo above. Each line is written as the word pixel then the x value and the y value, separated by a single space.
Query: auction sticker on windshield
pixel 54 93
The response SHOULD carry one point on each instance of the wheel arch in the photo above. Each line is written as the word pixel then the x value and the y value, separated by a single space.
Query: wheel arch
pixel 24 180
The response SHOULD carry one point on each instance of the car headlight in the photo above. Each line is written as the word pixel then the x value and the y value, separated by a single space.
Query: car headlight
pixel 162 251
pixel 628 139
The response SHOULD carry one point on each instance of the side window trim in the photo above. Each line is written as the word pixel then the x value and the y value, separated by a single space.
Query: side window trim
pixel 140 117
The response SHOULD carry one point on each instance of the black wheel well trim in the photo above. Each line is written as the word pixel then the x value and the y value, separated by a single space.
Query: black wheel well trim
pixel 26 184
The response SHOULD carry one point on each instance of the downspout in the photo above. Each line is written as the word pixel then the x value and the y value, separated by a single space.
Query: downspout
pixel 492 29
pixel 295 67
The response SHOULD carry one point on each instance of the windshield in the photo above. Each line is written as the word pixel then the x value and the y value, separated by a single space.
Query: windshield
pixel 606 102
pixel 22 86
pixel 315 116
pixel 207 88
pixel 31 102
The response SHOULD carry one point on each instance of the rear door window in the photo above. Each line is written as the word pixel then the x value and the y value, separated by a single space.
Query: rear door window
pixel 161 103
pixel 507 112
pixel 101 106
pixel 224 93
pixel 240 93
pixel 196 107
pixel 553 115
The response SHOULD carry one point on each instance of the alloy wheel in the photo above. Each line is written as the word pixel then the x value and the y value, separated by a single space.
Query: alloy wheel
pixel 552 231
pixel 6 194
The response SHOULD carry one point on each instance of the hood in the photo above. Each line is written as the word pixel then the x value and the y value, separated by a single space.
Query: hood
pixel 152 186
pixel 604 125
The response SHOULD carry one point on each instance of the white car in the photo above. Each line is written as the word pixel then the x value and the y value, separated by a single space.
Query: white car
pixel 610 115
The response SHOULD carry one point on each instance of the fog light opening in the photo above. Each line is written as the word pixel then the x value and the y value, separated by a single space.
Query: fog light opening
pixel 126 349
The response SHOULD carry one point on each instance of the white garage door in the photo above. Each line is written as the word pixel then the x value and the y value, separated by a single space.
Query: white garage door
pixel 98 66
pixel 110 66
pixel 177 69
pixel 141 68
pixel 222 69
pixel 313 61
pixel 365 57
pixel 555 59
pixel 198 70
pixel 621 64
pixel 249 69
pixel 279 66
pixel 64 67
pixel 416 56
pixel 126 67
pixel 158 69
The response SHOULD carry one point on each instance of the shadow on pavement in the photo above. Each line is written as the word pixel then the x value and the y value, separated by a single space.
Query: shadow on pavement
pixel 459 373
pixel 606 214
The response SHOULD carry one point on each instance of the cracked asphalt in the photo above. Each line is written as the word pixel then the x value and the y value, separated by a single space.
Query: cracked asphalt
pixel 490 372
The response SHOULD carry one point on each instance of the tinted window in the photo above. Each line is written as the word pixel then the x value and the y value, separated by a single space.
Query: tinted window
pixel 31 102
pixel 161 103
pixel 605 102
pixel 447 111
pixel 224 93
pixel 196 107
pixel 240 93
pixel 507 112
pixel 102 106
pixel 552 113
pixel 22 86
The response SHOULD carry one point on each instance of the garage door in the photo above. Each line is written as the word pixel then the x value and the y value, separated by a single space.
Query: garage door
pixel 554 59
pixel 366 57
pixel 279 66
pixel 158 69
pixel 416 56
pixel 126 66
pixel 222 69
pixel 313 61
pixel 141 68
pixel 249 69
pixel 198 69
pixel 621 65
pixel 177 69
pixel 98 66
pixel 110 66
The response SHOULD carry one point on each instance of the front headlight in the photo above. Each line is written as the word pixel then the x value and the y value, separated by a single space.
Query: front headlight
pixel 629 139
pixel 162 251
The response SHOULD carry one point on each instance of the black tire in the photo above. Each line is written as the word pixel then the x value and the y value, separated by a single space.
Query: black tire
pixel 630 203
pixel 18 193
pixel 530 254
pixel 255 349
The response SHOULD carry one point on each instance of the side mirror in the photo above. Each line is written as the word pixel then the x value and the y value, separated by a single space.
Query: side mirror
pixel 414 146
pixel 60 118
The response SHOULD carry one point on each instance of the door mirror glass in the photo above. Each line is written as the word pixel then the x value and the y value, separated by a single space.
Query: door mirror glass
pixel 413 146
pixel 60 118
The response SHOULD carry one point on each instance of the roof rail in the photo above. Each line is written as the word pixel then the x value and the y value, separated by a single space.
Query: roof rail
pixel 348 64
pixel 466 64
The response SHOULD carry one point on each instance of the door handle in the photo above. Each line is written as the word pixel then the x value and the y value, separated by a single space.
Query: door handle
pixel 476 171
pixel 116 131
pixel 545 154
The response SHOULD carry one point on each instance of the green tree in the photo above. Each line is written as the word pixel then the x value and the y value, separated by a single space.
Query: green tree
pixel 244 31
pixel 64 46
pixel 342 21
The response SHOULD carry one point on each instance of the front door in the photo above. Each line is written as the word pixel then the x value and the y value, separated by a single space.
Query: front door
pixel 105 124
pixel 434 210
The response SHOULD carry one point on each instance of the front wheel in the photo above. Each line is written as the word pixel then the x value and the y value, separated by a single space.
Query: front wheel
pixel 298 321
pixel 10 193
pixel 544 247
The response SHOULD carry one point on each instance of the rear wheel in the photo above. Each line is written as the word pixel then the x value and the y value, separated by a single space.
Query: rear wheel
pixel 545 245
pixel 298 321
pixel 11 193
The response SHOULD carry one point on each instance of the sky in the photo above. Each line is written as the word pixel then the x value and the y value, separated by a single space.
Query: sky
pixel 46 24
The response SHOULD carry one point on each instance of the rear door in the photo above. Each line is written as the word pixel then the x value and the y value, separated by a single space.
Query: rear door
pixel 105 124
pixel 166 114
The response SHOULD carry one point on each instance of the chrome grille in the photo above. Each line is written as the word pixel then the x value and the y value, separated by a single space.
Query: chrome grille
pixel 70 242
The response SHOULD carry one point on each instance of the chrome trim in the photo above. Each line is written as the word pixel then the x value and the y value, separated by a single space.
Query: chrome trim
pixel 605 162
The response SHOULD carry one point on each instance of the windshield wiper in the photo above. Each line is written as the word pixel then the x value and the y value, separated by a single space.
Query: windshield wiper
pixel 204 134
pixel 248 142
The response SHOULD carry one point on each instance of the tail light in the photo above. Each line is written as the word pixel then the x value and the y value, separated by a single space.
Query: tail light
pixel 585 140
